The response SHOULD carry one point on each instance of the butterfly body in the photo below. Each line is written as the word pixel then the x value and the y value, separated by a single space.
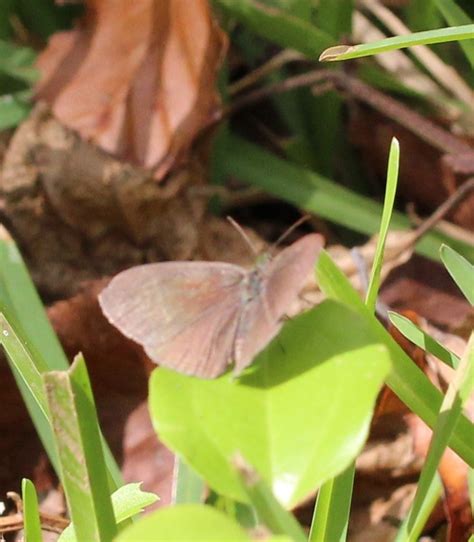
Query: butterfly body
pixel 197 317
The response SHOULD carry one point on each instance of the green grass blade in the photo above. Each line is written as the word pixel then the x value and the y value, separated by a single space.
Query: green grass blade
pixel 82 464
pixel 331 515
pixel 278 26
pixel 440 35
pixel 406 380
pixel 455 16
pixel 417 336
pixel 188 486
pixel 22 307
pixel 332 509
pixel 431 500
pixel 31 519
pixel 391 189
pixel 19 294
pixel 316 194
pixel 461 271
pixel 269 510
pixel 28 378
pixel 450 412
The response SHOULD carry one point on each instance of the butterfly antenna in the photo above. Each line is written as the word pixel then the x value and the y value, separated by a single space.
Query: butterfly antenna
pixel 246 238
pixel 293 227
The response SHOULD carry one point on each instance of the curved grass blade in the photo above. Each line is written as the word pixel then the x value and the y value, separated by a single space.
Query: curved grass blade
pixel 406 380
pixel 417 336
pixel 451 408
pixel 440 35
pixel 460 270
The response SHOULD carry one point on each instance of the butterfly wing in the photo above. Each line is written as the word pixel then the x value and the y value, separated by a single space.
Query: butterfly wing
pixel 281 281
pixel 183 313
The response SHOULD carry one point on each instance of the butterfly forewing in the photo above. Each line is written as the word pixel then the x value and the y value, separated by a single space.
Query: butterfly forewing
pixel 154 304
pixel 280 282
pixel 203 348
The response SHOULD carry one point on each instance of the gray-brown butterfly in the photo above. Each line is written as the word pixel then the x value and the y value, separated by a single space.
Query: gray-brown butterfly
pixel 198 317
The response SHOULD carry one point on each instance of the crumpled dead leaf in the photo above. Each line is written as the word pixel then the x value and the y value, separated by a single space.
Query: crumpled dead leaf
pixel 136 78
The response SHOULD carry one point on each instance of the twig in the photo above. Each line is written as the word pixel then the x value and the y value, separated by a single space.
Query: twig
pixel 399 113
pixel 444 209
pixel 277 61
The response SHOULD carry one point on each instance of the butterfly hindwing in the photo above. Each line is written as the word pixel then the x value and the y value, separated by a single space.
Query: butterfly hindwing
pixel 280 282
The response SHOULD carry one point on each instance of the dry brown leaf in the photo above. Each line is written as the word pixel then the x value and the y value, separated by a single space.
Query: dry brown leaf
pixel 137 78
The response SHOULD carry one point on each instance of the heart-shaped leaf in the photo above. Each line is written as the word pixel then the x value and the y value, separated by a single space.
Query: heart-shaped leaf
pixel 299 416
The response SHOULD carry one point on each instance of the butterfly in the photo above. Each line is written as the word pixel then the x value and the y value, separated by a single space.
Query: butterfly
pixel 199 317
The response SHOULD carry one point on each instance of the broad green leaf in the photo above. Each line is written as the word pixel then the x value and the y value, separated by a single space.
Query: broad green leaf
pixel 461 271
pixel 82 463
pixel 417 336
pixel 390 191
pixel 31 519
pixel 440 35
pixel 277 25
pixel 406 380
pixel 313 366
pixel 185 523
pixel 316 194
pixel 127 501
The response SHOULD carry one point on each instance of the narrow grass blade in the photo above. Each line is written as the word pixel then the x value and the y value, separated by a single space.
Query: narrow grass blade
pixel 24 314
pixel 332 509
pixel 31 518
pixel 390 191
pixel 331 515
pixel 188 486
pixel 417 336
pixel 19 294
pixel 450 412
pixel 440 35
pixel 455 16
pixel 28 377
pixel 269 510
pixel 82 464
pixel 316 194
pixel 406 380
pixel 431 500
pixel 278 26
pixel 461 271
